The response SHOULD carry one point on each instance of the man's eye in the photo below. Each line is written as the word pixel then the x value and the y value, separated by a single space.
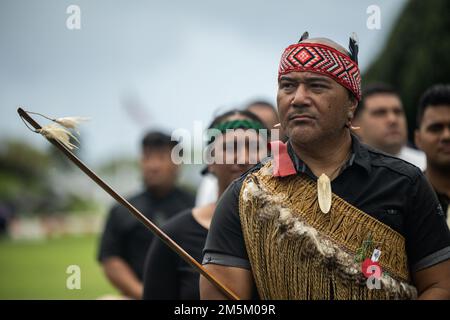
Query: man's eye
pixel 435 128
pixel 287 85
pixel 318 86
pixel 379 113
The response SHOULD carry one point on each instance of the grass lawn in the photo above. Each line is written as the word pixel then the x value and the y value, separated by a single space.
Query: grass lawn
pixel 37 269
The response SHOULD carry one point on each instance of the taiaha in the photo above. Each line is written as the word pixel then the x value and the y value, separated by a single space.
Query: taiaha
pixel 60 138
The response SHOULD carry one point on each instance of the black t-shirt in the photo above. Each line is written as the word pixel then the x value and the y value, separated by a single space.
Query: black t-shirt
pixel 166 275
pixel 126 237
pixel 389 189
pixel 445 202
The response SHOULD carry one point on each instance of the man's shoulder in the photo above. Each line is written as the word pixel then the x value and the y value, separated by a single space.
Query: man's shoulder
pixel 137 197
pixel 384 161
pixel 185 196
pixel 239 181
pixel 178 223
pixel 233 191
pixel 416 157
pixel 119 212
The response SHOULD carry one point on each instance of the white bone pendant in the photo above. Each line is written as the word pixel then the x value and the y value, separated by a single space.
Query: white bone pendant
pixel 324 193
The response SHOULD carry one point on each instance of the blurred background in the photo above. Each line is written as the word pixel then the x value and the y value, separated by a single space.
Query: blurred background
pixel 139 65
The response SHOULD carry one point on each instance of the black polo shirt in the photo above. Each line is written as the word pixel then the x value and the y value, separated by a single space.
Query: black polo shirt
pixel 391 190
pixel 126 237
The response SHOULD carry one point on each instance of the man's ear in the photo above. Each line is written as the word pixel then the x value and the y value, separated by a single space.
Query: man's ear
pixel 417 139
pixel 351 107
pixel 353 104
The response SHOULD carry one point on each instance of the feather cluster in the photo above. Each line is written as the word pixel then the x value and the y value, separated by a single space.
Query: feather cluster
pixel 60 130
pixel 304 36
pixel 70 122
pixel 55 132
pixel 354 47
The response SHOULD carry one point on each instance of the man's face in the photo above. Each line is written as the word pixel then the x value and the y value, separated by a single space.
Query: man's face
pixel 157 168
pixel 433 136
pixel 312 106
pixel 382 123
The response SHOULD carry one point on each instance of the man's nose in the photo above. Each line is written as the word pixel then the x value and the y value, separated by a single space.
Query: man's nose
pixel 446 133
pixel 301 96
pixel 393 118
pixel 153 166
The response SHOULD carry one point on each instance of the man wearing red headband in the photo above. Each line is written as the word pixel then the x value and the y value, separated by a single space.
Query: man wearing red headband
pixel 327 217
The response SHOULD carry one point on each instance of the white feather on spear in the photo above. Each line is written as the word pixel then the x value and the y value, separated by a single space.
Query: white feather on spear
pixel 60 129
pixel 70 122
pixel 56 132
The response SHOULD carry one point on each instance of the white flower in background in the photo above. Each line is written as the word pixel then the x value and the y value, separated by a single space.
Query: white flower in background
pixel 53 131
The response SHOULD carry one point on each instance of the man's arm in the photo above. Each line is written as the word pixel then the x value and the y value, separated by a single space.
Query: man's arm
pixel 122 277
pixel 225 255
pixel 238 280
pixel 111 251
pixel 427 242
pixel 433 283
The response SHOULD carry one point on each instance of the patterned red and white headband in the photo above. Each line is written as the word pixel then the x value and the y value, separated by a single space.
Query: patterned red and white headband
pixel 323 59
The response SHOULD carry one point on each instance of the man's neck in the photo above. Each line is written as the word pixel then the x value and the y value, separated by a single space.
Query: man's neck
pixel 160 192
pixel 439 180
pixel 325 156
pixel 392 150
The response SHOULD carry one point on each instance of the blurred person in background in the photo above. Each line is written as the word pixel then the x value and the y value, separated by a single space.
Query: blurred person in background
pixel 207 191
pixel 166 275
pixel 125 240
pixel 269 115
pixel 265 111
pixel 433 137
pixel 383 124
pixel 6 214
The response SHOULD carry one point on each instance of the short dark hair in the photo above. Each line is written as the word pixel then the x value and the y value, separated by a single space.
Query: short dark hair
pixel 154 140
pixel 261 103
pixel 373 89
pixel 438 94
pixel 220 118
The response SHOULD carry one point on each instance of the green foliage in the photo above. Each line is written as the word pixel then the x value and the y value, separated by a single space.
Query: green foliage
pixel 22 160
pixel 75 203
pixel 22 175
pixel 25 183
